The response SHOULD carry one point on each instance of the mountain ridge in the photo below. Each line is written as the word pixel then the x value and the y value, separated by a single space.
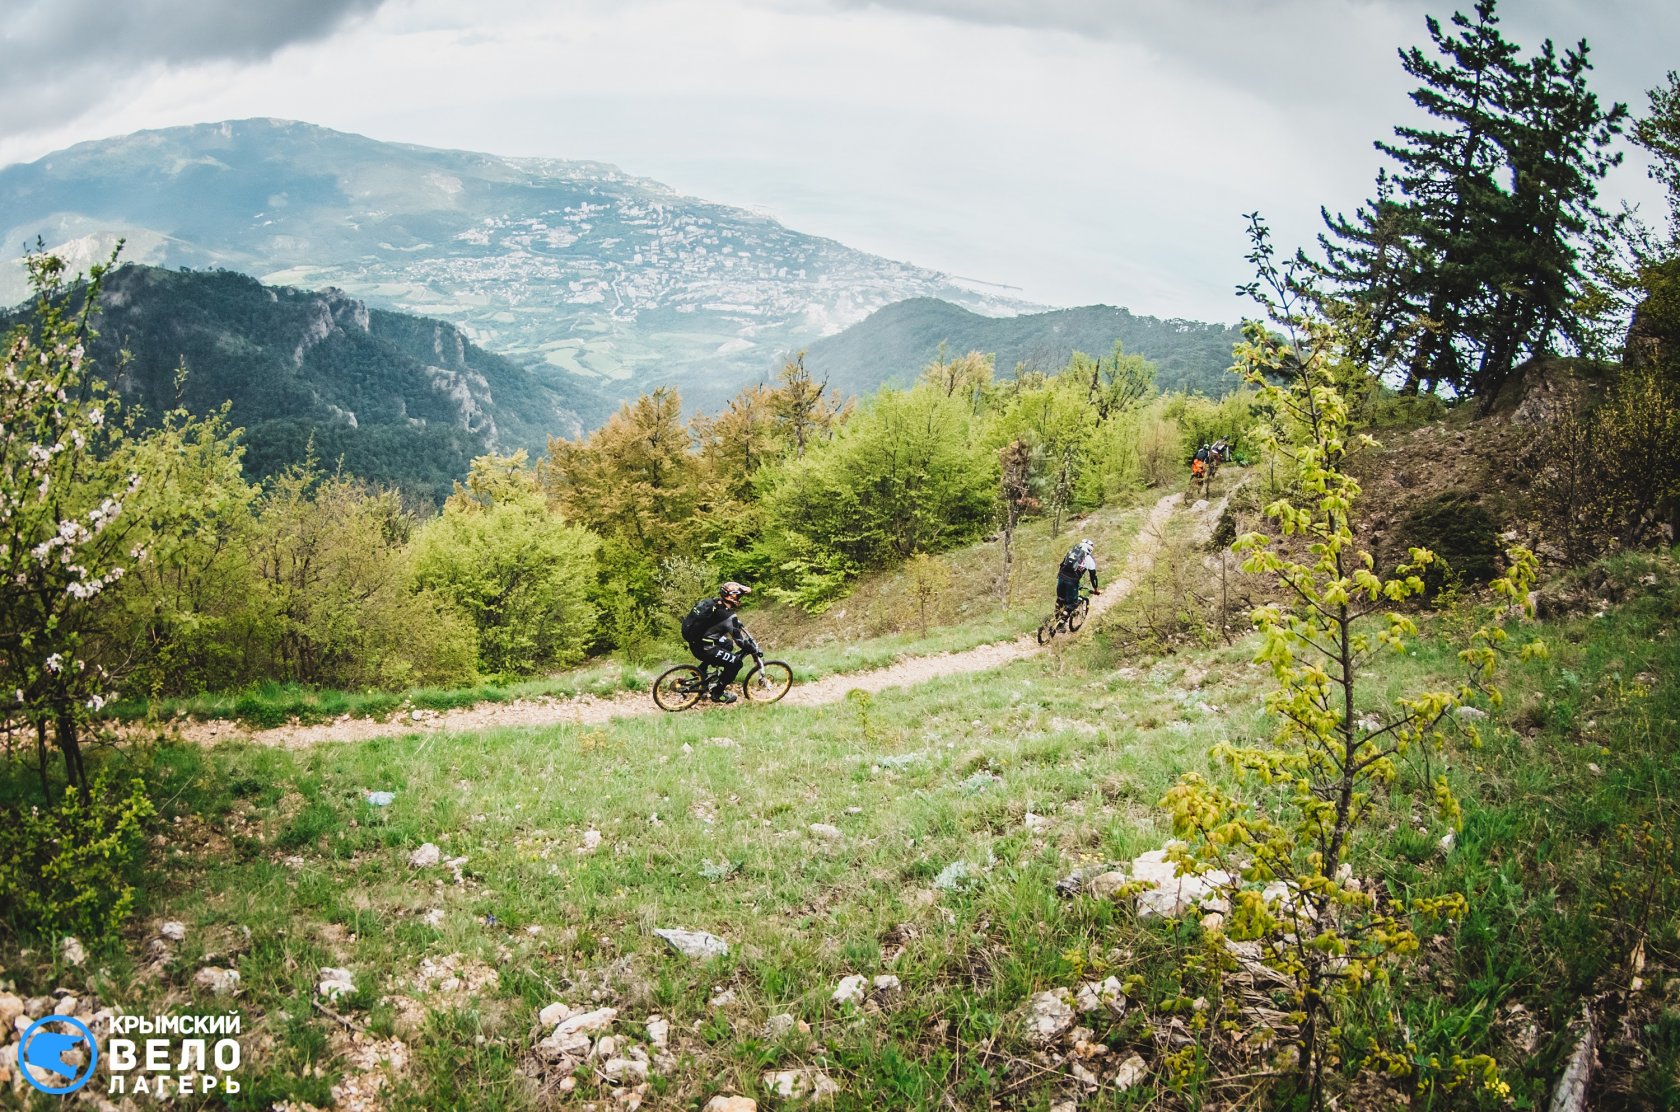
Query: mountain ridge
pixel 574 268
pixel 893 344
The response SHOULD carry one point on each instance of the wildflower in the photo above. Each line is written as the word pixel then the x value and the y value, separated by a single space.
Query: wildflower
pixel 55 663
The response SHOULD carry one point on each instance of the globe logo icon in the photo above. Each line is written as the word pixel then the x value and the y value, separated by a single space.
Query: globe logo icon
pixel 47 1045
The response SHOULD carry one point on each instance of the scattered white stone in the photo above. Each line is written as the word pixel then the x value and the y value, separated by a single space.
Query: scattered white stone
pixel 1094 996
pixel 619 1070
pixel 799 1084
pixel 1048 1015
pixel 425 857
pixel 1035 823
pixel 219 981
pixel 1131 1071
pixel 591 842
pixel 731 1104
pixel 173 931
pixel 1475 714
pixel 335 982
pixel 584 1024
pixel 658 1031
pixel 850 989
pixel 553 1014
pixel 1172 895
pixel 433 917
pixel 783 1025
pixel 687 748
pixel 415 716
pixel 66 1006
pixel 1592 767
pixel 71 951
pixel 1065 1106
pixel 1104 885
pixel 723 998
pixel 694 944
pixel 10 1009
pixel 570 1047
pixel 1447 841
pixel 886 983
pixel 824 830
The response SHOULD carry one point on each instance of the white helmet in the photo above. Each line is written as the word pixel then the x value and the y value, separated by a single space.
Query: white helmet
pixel 1086 544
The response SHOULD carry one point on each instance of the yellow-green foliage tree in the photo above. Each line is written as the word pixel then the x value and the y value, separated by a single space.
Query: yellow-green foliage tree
pixel 333 591
pixel 631 479
pixel 185 613
pixel 1278 847
pixel 905 474
pixel 521 574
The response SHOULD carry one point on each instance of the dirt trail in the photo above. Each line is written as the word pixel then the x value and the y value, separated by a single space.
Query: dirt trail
pixel 588 710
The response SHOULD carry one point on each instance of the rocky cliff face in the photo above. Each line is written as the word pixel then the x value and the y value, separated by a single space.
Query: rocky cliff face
pixel 399 399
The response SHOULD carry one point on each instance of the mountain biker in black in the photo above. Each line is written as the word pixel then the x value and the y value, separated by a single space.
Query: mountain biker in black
pixel 1074 567
pixel 716 637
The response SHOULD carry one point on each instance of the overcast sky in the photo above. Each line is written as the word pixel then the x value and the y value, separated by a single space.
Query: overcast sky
pixel 1082 151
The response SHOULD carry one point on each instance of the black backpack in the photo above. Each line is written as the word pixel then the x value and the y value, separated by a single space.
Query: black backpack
pixel 701 618
pixel 1070 563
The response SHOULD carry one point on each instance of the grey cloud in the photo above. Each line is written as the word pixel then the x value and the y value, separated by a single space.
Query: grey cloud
pixel 1292 52
pixel 66 56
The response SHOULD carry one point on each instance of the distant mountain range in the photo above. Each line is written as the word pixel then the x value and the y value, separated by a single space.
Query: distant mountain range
pixel 401 400
pixel 893 344
pixel 576 269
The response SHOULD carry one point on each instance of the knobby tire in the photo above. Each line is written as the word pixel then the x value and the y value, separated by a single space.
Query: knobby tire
pixel 671 692
pixel 767 682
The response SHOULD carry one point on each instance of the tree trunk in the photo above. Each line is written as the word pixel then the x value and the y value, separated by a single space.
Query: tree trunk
pixel 72 749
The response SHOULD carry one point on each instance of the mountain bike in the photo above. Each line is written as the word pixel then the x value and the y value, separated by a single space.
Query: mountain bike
pixel 1065 619
pixel 681 687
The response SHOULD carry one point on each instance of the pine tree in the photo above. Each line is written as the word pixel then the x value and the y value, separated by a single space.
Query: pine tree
pixel 1447 179
pixel 1557 150
pixel 1469 258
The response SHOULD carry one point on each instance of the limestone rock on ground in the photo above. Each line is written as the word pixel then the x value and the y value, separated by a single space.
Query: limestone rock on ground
pixel 1048 1015
pixel 694 944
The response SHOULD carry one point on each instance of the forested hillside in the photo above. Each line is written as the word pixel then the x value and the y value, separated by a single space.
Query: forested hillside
pixel 399 400
pixel 893 344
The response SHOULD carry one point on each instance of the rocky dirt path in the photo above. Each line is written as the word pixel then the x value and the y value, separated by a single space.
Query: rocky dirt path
pixel 588 710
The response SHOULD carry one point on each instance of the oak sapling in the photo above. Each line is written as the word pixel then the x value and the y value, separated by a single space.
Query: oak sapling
pixel 1280 849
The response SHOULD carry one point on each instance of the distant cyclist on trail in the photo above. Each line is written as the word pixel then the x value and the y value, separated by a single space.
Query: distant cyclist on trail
pixel 717 638
pixel 1075 565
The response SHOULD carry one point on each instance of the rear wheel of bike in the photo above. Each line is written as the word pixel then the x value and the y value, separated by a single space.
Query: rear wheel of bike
pixel 1076 616
pixel 1046 630
pixel 678 688
pixel 767 682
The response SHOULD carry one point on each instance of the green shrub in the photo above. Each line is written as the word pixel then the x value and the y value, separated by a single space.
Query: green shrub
pixel 68 869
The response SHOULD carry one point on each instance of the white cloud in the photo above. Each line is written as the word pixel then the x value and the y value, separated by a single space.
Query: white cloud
pixel 1083 151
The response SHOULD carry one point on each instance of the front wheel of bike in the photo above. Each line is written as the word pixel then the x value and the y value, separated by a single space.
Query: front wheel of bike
pixel 767 682
pixel 678 688
pixel 1046 630
pixel 1076 616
